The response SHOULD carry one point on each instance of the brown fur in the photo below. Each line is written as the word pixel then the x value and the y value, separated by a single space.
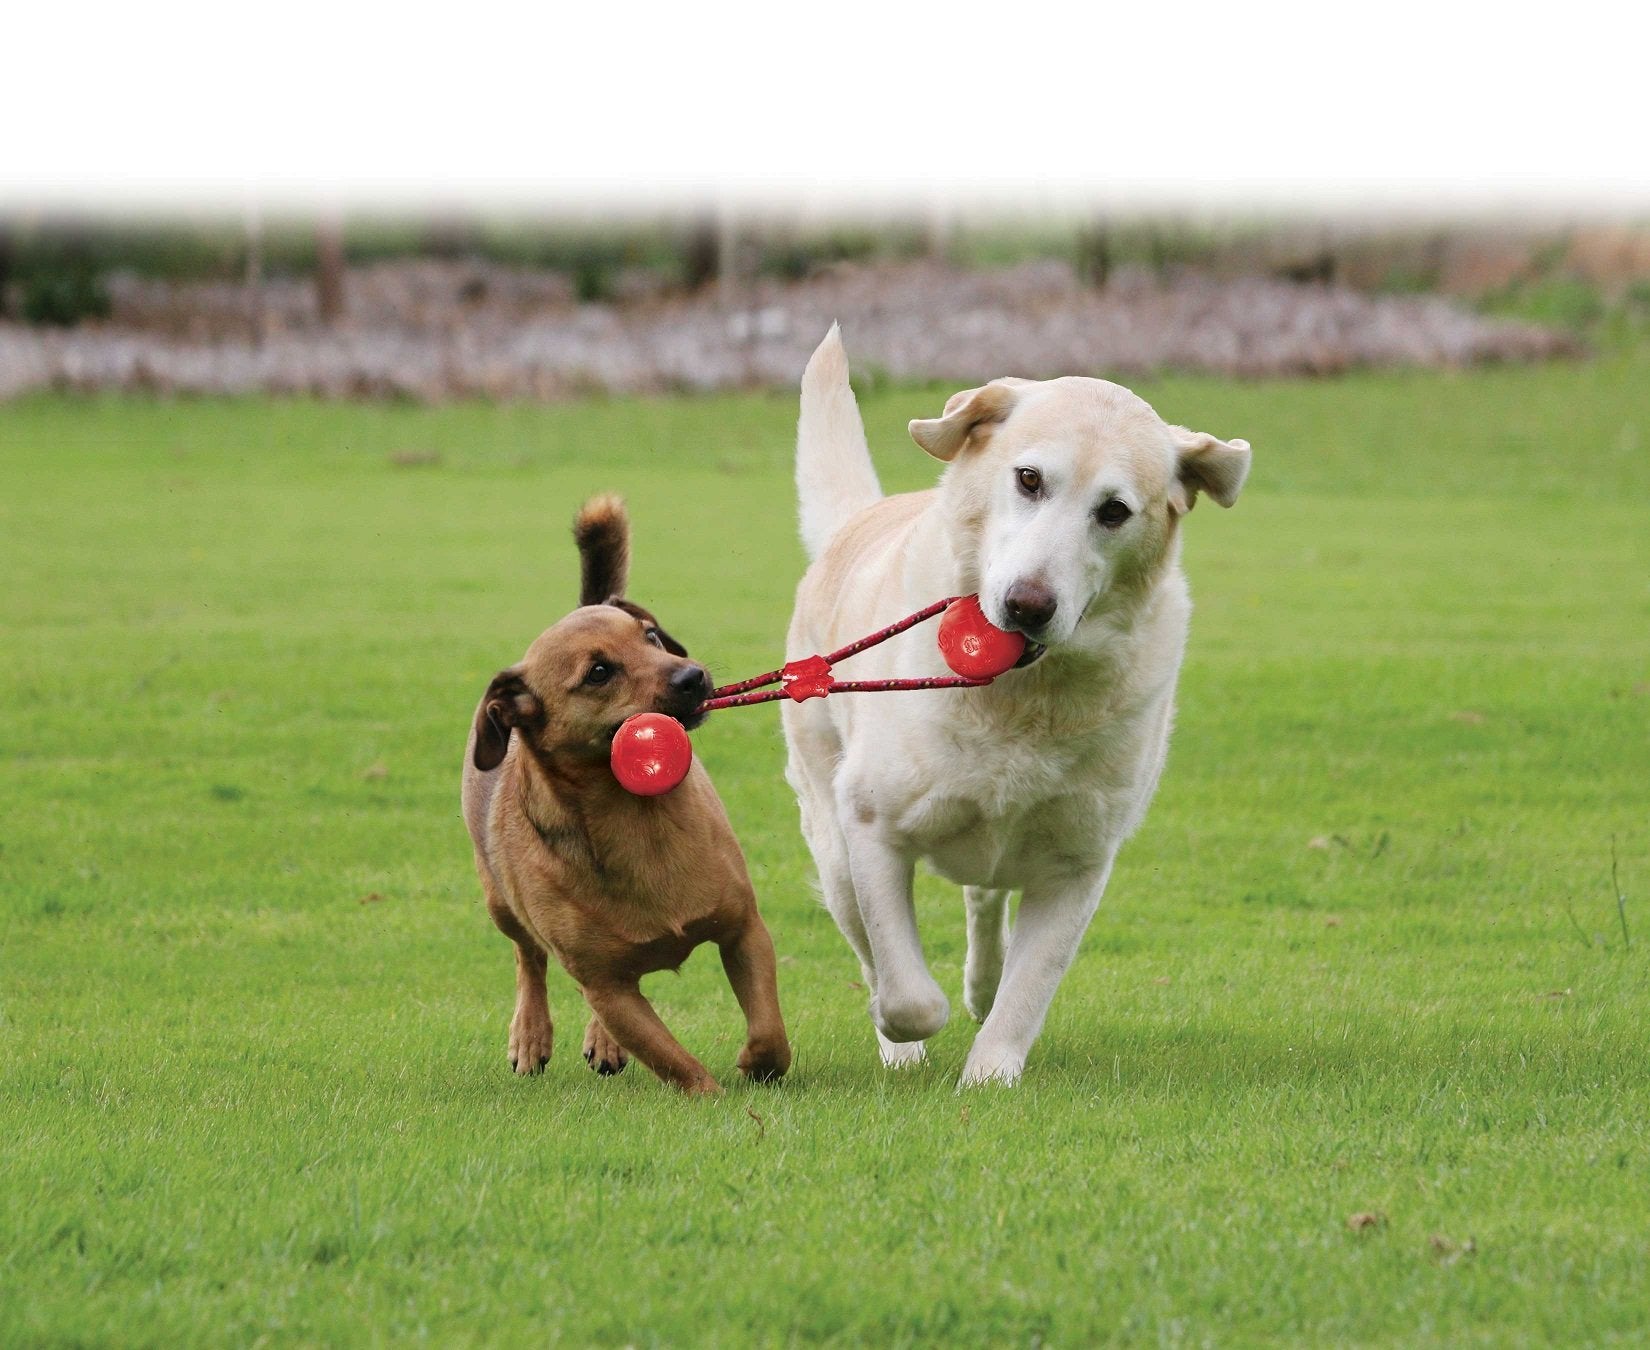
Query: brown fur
pixel 616 886
pixel 602 532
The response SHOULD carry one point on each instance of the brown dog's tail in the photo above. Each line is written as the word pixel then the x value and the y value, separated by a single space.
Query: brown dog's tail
pixel 602 532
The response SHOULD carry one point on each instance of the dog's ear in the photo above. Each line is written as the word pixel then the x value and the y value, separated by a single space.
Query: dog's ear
pixel 635 611
pixel 602 532
pixel 964 414
pixel 1206 464
pixel 509 703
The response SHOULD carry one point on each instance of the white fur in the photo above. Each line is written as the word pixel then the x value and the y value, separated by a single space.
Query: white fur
pixel 1032 783
pixel 834 476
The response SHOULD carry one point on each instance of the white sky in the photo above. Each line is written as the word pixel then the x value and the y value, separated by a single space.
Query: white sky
pixel 1366 108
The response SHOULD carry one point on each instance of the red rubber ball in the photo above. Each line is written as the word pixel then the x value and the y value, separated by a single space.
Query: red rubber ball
pixel 651 754
pixel 975 647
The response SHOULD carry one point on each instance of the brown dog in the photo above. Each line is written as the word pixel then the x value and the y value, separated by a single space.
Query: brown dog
pixel 617 886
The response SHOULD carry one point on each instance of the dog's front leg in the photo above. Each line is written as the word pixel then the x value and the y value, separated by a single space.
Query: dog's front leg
pixel 602 1051
pixel 633 1023
pixel 906 1005
pixel 1047 931
pixel 531 1037
pixel 749 962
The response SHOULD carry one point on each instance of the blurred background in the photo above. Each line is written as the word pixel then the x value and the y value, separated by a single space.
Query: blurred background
pixel 438 305
pixel 537 205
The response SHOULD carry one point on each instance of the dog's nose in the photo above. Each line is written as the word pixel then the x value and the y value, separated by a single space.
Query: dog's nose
pixel 1030 605
pixel 690 680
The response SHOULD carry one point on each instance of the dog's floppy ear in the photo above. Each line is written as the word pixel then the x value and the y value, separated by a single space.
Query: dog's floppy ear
pixel 631 608
pixel 944 436
pixel 509 703
pixel 602 532
pixel 1206 464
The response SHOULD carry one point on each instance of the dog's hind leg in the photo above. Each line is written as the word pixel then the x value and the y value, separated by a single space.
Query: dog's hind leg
pixel 987 940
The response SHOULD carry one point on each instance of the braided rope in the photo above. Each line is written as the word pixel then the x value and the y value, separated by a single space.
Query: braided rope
pixel 804 678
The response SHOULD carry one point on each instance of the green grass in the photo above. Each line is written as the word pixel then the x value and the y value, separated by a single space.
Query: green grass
pixel 252 1013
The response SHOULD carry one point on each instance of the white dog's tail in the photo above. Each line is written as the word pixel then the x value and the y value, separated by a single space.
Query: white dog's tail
pixel 835 479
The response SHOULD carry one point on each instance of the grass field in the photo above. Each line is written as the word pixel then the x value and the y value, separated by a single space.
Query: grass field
pixel 1365 957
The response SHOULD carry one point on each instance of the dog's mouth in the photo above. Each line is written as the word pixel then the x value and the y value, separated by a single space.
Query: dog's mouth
pixel 690 718
pixel 684 710
pixel 1031 655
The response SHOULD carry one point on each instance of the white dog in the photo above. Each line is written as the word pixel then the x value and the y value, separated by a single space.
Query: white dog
pixel 1061 506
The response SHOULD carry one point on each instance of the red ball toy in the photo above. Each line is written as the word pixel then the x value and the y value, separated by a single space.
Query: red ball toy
pixel 651 754
pixel 975 647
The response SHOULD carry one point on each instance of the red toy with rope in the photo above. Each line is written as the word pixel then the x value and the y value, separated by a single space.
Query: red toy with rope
pixel 651 753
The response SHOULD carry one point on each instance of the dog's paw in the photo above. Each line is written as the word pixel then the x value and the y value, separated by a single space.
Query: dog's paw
pixel 981 977
pixel 912 1015
pixel 530 1043
pixel 902 1054
pixel 764 1061
pixel 601 1052
pixel 978 998
pixel 991 1066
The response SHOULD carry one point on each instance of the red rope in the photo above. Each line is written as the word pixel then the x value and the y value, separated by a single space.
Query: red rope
pixel 893 630
pixel 810 676
pixel 883 686
pixel 739 700
pixel 755 682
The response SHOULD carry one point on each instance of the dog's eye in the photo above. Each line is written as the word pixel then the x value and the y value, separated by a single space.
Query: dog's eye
pixel 1113 513
pixel 1030 481
pixel 600 673
pixel 652 636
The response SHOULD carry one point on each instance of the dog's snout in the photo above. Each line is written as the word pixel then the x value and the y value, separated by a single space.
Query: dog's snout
pixel 690 680
pixel 688 686
pixel 1030 605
